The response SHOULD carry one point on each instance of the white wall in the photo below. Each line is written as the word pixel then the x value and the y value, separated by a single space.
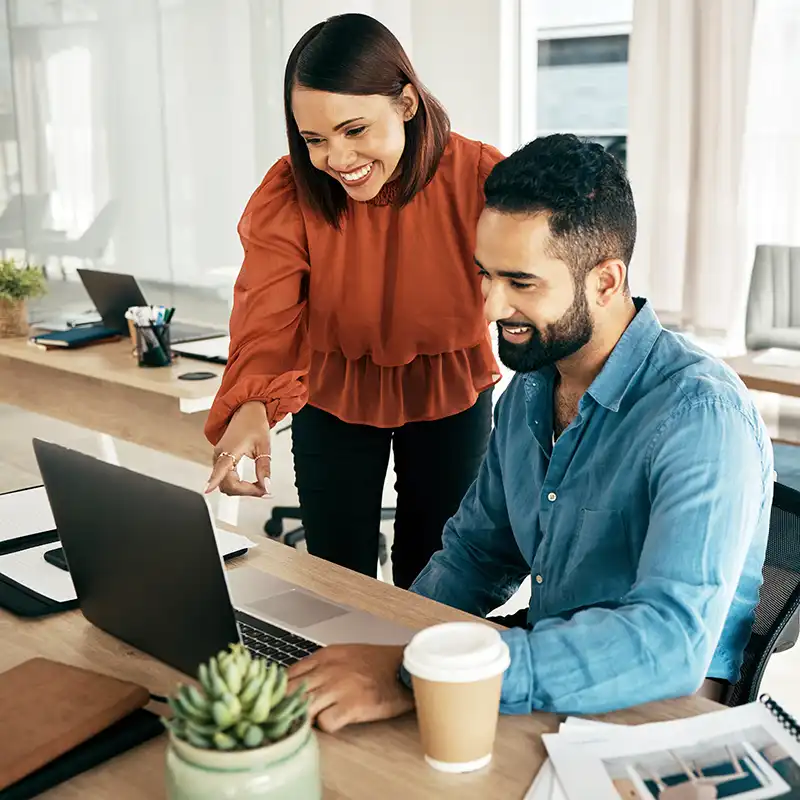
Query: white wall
pixel 457 52
pixel 300 15
pixel 565 14
pixel 455 46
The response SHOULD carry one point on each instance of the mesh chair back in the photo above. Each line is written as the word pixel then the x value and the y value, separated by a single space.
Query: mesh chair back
pixel 779 599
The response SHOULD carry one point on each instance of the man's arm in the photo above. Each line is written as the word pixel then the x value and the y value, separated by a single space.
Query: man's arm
pixel 710 479
pixel 480 565
pixel 478 569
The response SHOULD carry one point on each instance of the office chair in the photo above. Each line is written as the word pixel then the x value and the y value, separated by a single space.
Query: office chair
pixel 773 310
pixel 777 620
pixel 90 246
pixel 273 527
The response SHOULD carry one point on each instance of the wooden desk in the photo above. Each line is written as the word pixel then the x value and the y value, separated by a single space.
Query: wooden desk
pixel 766 377
pixel 779 401
pixel 102 388
pixel 381 760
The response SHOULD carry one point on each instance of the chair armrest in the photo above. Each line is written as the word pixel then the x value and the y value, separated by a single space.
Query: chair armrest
pixel 788 338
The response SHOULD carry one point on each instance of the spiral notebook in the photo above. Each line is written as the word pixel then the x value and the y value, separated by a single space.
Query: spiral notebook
pixel 748 752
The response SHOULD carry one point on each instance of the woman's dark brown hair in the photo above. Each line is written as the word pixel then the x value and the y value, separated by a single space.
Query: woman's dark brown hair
pixel 356 54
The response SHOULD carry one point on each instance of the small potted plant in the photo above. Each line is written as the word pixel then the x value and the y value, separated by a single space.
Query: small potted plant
pixel 17 284
pixel 240 735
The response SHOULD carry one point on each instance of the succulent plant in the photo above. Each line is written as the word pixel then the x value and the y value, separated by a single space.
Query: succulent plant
pixel 242 704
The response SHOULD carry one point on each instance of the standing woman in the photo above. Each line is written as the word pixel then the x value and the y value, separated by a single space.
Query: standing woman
pixel 358 307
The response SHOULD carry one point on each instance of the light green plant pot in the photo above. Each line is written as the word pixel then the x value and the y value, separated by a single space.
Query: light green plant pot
pixel 287 770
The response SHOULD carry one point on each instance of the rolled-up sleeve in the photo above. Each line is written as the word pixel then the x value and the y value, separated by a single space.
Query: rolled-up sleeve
pixel 480 565
pixel 710 483
pixel 269 355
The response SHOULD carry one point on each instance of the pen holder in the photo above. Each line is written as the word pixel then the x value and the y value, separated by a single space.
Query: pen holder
pixel 153 346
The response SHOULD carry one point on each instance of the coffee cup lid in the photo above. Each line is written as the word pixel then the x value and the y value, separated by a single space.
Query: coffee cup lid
pixel 457 652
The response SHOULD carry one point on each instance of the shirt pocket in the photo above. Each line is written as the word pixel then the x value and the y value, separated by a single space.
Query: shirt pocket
pixel 599 568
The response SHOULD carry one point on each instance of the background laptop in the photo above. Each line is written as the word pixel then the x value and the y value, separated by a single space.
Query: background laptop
pixel 146 568
pixel 114 293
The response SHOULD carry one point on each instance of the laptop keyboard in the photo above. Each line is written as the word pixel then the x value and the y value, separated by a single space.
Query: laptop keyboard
pixel 275 644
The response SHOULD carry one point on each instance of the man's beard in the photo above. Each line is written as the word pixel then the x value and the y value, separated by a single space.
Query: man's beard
pixel 561 339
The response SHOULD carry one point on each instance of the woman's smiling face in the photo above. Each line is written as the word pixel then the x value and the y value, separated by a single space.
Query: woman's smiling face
pixel 356 139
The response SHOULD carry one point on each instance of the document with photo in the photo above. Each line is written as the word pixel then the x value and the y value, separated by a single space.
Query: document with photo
pixel 745 753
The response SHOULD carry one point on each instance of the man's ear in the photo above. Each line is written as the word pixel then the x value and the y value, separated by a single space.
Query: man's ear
pixel 611 279
pixel 409 102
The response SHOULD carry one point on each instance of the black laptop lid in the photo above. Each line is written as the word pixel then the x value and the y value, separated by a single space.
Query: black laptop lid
pixel 112 294
pixel 142 555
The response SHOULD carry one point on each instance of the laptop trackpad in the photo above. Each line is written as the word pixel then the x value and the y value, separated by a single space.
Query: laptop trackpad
pixel 297 609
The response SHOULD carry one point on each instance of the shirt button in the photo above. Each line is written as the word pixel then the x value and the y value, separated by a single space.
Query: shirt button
pixel 539 579
pixel 552 497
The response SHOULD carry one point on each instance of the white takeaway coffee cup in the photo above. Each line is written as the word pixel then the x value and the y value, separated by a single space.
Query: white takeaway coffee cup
pixel 457 673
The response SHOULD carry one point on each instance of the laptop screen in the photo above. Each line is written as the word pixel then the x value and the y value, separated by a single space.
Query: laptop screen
pixel 142 556
pixel 112 294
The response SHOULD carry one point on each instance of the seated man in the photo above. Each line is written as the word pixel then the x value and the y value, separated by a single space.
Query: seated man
pixel 628 471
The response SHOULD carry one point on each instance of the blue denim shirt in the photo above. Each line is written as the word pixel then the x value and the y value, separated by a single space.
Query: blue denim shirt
pixel 644 528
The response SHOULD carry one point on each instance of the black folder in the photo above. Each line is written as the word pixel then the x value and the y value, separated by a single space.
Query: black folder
pixel 15 597
pixel 137 728
pixel 24 602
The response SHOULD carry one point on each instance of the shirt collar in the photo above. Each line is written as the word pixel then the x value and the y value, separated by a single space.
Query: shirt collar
pixel 626 359
pixel 621 367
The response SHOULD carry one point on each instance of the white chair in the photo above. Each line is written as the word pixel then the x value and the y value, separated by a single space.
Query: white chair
pixel 90 246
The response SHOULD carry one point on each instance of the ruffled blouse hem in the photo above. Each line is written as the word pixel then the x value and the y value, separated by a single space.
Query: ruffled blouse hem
pixel 428 388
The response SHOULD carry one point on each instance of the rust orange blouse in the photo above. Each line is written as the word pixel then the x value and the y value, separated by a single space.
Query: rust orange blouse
pixel 380 323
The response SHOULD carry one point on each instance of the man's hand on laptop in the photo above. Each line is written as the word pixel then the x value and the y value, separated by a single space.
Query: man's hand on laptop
pixel 247 434
pixel 352 683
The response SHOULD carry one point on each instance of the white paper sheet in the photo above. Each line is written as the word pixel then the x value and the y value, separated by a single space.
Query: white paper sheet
pixel 228 542
pixel 25 513
pixel 28 567
pixel 67 320
pixel 779 357
pixel 217 347
pixel 546 785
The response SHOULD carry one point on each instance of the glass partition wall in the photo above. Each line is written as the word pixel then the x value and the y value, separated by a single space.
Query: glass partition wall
pixel 133 132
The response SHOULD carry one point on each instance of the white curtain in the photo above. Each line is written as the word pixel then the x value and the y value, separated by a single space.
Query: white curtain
pixel 772 139
pixel 689 67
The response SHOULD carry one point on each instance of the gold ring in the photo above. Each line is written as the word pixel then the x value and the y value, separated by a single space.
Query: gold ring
pixel 263 455
pixel 231 456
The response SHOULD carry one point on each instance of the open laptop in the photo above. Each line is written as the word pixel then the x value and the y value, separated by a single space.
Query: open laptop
pixel 146 569
pixel 114 293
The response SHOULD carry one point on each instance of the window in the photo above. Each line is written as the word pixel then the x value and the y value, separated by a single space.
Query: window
pixel 582 74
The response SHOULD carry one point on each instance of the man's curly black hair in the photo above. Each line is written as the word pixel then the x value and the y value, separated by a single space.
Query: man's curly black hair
pixel 582 187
